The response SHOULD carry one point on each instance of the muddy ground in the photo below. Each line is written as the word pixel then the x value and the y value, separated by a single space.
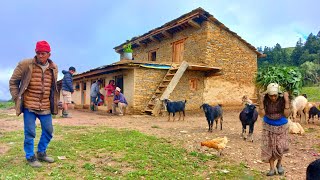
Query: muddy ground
pixel 190 132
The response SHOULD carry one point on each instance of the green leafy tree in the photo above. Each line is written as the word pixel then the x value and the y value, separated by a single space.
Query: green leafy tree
pixel 312 44
pixel 310 72
pixel 296 53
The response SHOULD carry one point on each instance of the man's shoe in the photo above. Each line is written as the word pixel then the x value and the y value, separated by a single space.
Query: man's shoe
pixel 271 173
pixel 33 162
pixel 66 116
pixel 280 170
pixel 42 156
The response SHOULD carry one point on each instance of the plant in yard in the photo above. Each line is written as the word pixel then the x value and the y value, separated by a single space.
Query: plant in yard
pixel 289 78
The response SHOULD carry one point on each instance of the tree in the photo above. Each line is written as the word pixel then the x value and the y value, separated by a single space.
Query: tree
pixel 312 44
pixel 309 71
pixel 296 53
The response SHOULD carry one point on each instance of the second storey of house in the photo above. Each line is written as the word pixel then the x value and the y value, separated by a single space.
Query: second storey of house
pixel 196 37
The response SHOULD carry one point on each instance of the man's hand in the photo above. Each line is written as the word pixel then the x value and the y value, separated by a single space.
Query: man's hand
pixel 116 101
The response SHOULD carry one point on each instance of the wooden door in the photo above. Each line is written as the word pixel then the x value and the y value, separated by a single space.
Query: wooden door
pixel 119 82
pixel 83 93
pixel 178 49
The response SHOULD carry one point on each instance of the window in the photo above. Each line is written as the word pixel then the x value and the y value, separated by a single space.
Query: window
pixel 193 84
pixel 84 86
pixel 152 55
pixel 77 87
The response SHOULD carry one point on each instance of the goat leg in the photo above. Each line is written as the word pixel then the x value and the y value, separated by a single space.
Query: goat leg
pixel 168 116
pixel 184 114
pixel 221 120
pixel 251 127
pixel 244 133
pixel 173 116
pixel 179 116
pixel 216 120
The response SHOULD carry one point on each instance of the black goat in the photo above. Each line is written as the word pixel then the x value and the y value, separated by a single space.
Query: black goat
pixel 248 116
pixel 314 111
pixel 175 106
pixel 313 170
pixel 213 113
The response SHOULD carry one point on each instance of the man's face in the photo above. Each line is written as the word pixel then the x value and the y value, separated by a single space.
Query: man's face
pixel 42 56
pixel 116 92
pixel 71 71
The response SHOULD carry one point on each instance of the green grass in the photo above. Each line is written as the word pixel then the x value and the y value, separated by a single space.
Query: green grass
pixel 313 93
pixel 104 153
pixel 6 105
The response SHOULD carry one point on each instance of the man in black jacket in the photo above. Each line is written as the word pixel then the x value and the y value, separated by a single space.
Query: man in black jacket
pixel 67 90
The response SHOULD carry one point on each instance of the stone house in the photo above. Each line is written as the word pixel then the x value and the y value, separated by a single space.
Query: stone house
pixel 194 57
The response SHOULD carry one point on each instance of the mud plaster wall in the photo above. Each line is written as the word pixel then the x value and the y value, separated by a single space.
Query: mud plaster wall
pixel 239 65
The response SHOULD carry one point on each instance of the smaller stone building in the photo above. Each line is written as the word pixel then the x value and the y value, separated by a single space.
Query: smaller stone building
pixel 194 57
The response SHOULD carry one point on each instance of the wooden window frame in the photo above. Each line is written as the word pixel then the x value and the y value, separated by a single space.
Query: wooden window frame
pixel 182 41
pixel 77 86
pixel 150 53
pixel 193 84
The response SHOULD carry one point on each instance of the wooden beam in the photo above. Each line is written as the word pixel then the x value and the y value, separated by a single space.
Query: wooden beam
pixel 194 24
pixel 166 34
pixel 153 39
pixel 141 44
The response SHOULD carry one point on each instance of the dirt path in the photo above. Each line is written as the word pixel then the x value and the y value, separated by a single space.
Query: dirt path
pixel 193 130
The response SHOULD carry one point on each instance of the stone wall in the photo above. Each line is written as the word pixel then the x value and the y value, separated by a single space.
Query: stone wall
pixel 146 82
pixel 183 90
pixel 194 46
pixel 239 67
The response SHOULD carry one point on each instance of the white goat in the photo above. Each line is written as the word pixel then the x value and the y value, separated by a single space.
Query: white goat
pixel 299 105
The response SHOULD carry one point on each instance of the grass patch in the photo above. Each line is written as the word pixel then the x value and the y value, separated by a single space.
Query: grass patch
pixel 317 147
pixel 155 126
pixel 6 105
pixel 312 93
pixel 310 130
pixel 104 153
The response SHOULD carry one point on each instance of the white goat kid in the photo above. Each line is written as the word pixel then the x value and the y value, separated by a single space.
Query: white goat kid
pixel 299 106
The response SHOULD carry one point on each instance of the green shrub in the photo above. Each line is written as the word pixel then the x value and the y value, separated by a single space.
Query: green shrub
pixel 289 78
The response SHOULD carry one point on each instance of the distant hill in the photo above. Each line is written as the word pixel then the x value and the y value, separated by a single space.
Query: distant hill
pixel 2 100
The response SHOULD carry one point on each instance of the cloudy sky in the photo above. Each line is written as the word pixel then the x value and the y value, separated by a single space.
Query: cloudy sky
pixel 83 33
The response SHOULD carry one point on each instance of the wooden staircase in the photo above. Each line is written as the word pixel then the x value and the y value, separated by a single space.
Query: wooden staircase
pixel 165 88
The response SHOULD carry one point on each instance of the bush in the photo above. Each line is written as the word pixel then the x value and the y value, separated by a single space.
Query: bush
pixel 289 78
pixel 6 105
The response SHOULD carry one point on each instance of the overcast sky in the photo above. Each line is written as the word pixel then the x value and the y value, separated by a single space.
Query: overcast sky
pixel 83 33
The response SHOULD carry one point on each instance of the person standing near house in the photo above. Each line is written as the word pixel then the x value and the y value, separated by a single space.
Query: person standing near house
pixel 95 93
pixel 33 86
pixel 274 107
pixel 119 101
pixel 109 94
pixel 67 90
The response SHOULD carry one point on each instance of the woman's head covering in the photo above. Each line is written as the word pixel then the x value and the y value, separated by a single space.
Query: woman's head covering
pixel 273 89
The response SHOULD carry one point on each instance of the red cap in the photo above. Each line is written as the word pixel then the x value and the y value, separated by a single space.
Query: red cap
pixel 42 46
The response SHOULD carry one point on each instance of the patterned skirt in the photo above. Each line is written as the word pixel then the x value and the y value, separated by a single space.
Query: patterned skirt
pixel 274 141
